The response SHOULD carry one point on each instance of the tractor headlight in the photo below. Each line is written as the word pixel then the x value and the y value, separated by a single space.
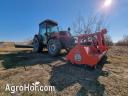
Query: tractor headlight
pixel 77 57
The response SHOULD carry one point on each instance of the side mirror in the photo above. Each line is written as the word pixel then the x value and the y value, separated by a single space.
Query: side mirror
pixel 69 29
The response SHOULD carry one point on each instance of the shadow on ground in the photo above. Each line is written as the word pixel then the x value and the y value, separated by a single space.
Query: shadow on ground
pixel 67 75
pixel 26 58
pixel 62 75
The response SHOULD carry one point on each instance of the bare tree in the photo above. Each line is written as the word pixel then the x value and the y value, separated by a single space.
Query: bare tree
pixel 93 24
pixel 79 25
pixel 108 40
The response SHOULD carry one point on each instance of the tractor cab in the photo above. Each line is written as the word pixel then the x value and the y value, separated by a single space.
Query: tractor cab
pixel 48 26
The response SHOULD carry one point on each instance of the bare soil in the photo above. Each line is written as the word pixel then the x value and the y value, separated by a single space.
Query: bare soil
pixel 21 66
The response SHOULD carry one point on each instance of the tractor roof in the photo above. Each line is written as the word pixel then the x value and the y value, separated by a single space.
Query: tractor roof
pixel 48 22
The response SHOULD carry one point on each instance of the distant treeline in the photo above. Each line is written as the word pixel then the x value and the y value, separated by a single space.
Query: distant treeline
pixel 123 42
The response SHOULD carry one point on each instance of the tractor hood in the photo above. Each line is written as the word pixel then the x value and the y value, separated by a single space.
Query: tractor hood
pixel 65 33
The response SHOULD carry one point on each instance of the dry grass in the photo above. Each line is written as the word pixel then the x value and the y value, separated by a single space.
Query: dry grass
pixel 18 66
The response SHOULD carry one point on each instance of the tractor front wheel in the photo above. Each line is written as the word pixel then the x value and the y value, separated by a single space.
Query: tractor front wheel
pixel 54 47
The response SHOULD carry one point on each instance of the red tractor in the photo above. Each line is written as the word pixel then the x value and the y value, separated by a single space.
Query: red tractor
pixel 51 38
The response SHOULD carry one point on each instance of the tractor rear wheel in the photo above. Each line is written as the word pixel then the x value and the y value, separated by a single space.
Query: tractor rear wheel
pixel 37 46
pixel 54 47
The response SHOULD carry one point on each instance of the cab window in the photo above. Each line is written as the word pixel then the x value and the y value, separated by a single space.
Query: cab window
pixel 52 29
pixel 42 31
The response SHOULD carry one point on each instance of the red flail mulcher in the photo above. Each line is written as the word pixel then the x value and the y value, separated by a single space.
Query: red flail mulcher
pixel 89 49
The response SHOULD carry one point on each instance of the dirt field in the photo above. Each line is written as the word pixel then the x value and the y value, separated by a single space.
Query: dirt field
pixel 19 66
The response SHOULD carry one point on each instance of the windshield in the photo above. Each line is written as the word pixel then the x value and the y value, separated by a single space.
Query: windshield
pixel 53 29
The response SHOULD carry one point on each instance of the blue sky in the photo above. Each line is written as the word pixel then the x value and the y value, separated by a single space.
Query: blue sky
pixel 19 19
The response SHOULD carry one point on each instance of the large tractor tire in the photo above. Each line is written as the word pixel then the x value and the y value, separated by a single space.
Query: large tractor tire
pixel 70 44
pixel 54 47
pixel 37 46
